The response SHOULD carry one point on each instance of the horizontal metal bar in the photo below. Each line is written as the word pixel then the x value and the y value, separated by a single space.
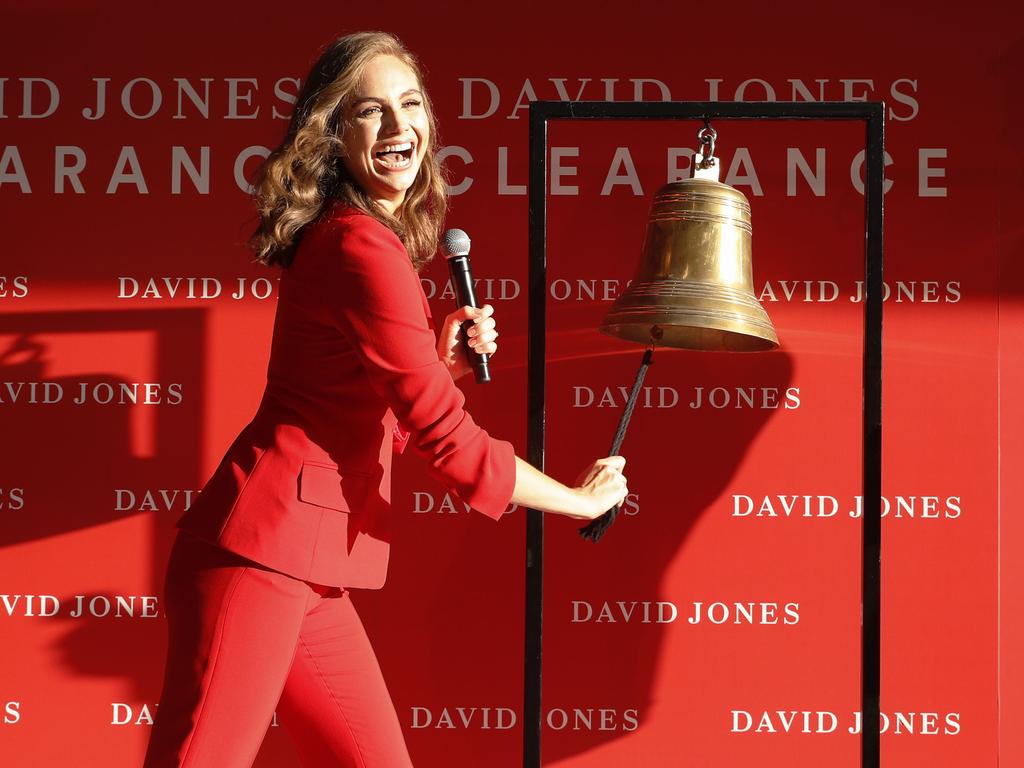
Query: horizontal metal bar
pixel 711 110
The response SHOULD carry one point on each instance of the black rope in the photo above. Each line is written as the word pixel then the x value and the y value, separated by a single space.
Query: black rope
pixel 595 529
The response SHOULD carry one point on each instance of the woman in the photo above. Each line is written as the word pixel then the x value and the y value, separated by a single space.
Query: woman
pixel 259 616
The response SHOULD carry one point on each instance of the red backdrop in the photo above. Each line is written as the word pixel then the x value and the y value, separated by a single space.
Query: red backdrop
pixel 718 622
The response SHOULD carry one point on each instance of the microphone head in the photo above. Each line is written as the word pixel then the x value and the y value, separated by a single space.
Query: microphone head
pixel 455 243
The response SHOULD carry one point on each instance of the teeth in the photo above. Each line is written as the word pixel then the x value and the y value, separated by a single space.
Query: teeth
pixel 397 147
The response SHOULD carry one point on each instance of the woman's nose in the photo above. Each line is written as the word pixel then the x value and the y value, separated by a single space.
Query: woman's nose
pixel 393 122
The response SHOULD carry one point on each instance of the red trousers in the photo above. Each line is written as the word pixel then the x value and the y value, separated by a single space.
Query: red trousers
pixel 244 640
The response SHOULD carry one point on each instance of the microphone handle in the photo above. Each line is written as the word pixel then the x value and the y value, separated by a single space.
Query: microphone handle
pixel 462 282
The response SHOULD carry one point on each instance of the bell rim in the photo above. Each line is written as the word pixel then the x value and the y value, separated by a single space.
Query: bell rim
pixel 762 342
pixel 703 318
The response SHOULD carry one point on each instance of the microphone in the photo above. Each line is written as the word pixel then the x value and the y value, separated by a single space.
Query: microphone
pixel 455 245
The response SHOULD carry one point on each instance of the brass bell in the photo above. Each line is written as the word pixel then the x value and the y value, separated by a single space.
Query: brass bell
pixel 694 285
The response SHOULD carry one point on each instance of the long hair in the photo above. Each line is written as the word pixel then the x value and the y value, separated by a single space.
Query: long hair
pixel 306 174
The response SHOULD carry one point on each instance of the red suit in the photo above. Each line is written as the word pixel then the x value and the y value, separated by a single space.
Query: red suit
pixel 298 511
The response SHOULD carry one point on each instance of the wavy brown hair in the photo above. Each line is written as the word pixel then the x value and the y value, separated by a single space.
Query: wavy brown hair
pixel 305 174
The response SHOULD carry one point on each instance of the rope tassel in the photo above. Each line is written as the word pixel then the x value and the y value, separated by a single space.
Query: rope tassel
pixel 596 528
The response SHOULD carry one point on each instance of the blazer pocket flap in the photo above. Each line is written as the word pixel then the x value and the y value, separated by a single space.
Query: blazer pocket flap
pixel 324 486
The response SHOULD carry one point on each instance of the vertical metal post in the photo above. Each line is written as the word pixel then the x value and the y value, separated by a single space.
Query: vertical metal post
pixel 871 566
pixel 538 291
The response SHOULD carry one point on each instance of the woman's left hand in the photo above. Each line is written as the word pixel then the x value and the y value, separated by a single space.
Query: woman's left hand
pixel 481 339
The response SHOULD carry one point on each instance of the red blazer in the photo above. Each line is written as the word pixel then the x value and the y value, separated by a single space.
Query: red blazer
pixel 305 488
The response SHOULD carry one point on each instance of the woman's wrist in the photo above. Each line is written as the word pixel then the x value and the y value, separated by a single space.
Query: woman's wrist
pixel 584 506
pixel 535 490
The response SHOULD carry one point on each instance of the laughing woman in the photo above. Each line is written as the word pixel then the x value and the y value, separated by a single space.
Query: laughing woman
pixel 297 513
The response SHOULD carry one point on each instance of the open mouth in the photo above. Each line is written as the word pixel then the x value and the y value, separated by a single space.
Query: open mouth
pixel 395 156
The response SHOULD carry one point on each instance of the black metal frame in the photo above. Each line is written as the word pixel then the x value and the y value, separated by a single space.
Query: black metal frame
pixel 873 113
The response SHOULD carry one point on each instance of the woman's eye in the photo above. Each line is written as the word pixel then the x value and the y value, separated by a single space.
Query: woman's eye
pixel 369 111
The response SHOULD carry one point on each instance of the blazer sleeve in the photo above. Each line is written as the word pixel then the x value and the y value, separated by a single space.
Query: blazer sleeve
pixel 373 296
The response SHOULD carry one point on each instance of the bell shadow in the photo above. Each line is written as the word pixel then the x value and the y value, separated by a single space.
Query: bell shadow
pixel 690 455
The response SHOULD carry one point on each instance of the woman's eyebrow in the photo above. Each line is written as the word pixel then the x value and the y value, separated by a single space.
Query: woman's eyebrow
pixel 379 100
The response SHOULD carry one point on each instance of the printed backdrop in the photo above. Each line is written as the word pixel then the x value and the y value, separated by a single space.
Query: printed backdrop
pixel 717 625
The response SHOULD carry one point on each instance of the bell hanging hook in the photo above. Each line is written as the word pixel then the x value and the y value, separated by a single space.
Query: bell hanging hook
pixel 706 136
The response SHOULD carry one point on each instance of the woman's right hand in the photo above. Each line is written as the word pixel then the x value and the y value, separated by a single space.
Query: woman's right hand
pixel 601 486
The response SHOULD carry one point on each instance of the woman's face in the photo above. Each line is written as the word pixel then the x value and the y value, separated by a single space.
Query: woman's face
pixel 386 131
